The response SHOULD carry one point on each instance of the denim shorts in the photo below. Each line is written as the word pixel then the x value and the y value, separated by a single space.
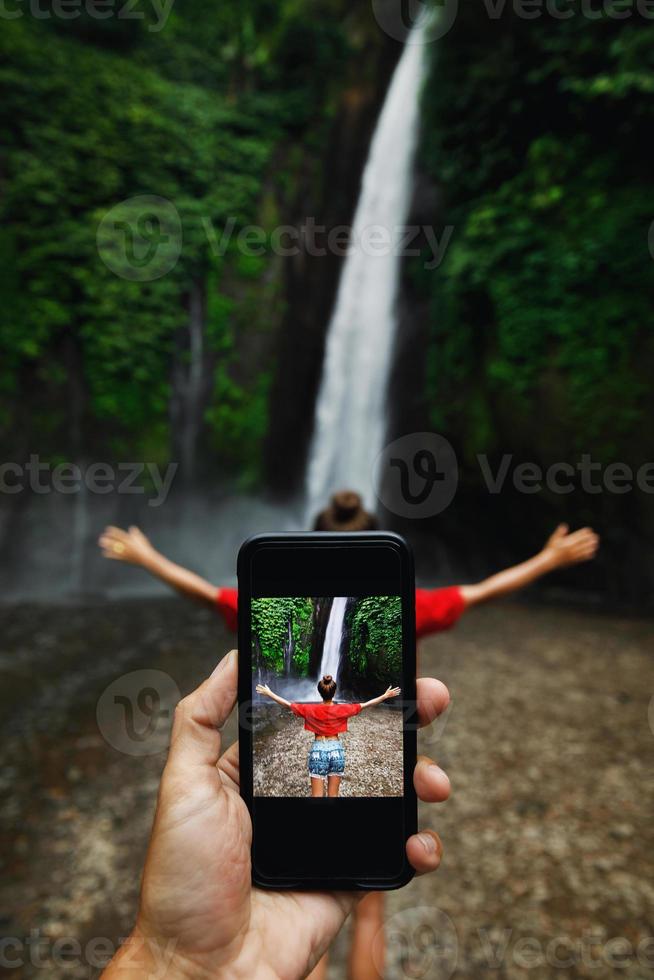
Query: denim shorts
pixel 326 758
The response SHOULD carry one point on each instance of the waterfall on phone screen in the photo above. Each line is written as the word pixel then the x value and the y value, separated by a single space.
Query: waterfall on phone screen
pixel 331 651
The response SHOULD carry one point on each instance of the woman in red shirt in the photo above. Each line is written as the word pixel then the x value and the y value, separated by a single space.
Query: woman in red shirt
pixel 326 721
pixel 436 609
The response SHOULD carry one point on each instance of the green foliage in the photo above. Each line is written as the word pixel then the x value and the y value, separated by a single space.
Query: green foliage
pixel 204 111
pixel 541 327
pixel 270 632
pixel 376 638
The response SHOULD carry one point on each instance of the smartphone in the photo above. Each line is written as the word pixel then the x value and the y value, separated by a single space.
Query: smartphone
pixel 327 708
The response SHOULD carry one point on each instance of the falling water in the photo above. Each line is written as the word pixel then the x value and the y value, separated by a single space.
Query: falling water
pixel 189 384
pixel 288 652
pixel 350 418
pixel 331 651
pixel 78 537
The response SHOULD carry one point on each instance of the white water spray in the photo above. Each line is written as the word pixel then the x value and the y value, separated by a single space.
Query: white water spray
pixel 350 422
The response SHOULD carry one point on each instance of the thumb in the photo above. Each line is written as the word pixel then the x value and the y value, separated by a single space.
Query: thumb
pixel 559 532
pixel 195 739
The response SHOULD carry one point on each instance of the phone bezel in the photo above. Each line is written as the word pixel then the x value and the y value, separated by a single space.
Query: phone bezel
pixel 361 547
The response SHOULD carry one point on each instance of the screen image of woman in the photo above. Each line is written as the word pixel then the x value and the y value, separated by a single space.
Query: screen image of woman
pixel 326 720
pixel 324 661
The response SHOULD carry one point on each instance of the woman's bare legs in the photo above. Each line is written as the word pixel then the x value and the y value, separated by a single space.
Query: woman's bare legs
pixel 368 921
pixel 333 784
pixel 319 971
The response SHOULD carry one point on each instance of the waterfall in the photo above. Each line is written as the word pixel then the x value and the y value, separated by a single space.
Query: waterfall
pixel 189 384
pixel 350 420
pixel 288 653
pixel 78 536
pixel 331 651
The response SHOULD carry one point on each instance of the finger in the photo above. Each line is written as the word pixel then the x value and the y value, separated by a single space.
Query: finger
pixel 195 739
pixel 431 782
pixel 584 550
pixel 587 547
pixel 432 698
pixel 424 851
pixel 116 532
pixel 109 543
pixel 581 535
pixel 116 549
pixel 228 766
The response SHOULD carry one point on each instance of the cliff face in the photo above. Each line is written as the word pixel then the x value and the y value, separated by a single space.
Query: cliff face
pixel 148 308
pixel 311 280
pixel 168 332
pixel 531 342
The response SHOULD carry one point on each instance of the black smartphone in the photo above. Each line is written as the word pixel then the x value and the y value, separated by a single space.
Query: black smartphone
pixel 327 708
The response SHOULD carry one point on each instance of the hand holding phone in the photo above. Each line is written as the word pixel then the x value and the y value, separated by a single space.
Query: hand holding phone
pixel 328 745
pixel 198 909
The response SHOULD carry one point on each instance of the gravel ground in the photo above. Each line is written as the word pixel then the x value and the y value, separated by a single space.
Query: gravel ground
pixel 373 753
pixel 549 839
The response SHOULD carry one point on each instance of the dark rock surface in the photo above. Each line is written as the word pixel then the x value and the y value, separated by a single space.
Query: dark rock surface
pixel 549 842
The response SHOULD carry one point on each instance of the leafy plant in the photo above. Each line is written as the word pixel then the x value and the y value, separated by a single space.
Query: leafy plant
pixel 375 650
pixel 272 620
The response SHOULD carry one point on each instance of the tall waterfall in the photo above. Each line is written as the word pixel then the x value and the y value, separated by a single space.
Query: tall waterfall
pixel 350 421
pixel 331 651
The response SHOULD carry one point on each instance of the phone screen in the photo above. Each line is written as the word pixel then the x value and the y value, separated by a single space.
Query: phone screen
pixel 329 657
pixel 327 700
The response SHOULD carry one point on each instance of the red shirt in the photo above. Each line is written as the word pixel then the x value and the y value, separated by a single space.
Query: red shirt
pixel 325 719
pixel 436 609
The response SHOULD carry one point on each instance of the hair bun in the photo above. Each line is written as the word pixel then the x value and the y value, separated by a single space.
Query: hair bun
pixel 327 679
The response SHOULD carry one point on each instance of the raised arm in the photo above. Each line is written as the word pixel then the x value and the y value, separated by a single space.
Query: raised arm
pixel 133 547
pixel 390 692
pixel 560 550
pixel 265 690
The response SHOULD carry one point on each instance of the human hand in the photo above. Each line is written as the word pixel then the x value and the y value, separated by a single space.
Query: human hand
pixel 263 689
pixel 391 692
pixel 564 548
pixel 199 912
pixel 130 546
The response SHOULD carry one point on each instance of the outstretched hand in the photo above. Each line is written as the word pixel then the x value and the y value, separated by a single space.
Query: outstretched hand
pixel 263 689
pixel 565 548
pixel 199 912
pixel 130 546
pixel 392 692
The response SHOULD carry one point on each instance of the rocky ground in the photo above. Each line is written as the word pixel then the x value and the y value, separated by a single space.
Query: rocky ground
pixel 549 839
pixel 373 753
